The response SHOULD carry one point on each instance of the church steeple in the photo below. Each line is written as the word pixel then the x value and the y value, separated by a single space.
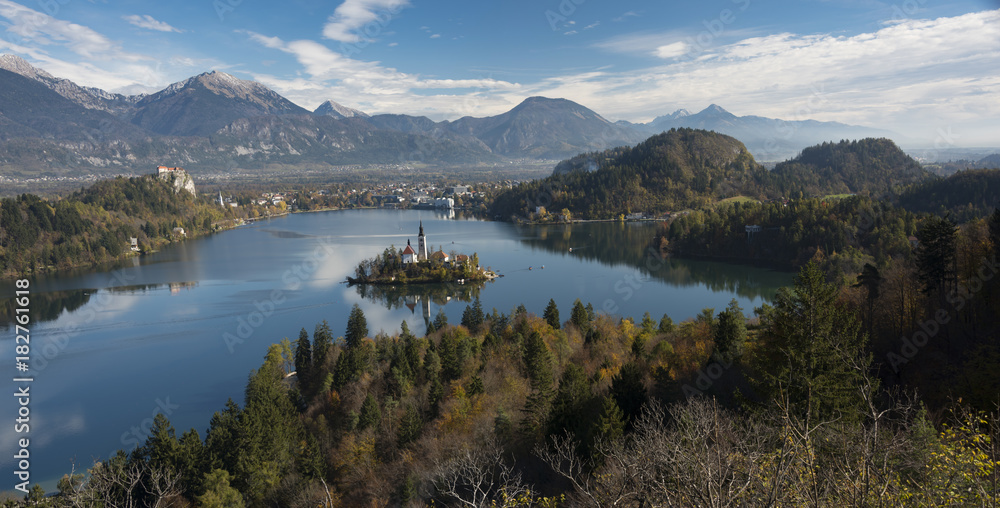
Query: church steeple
pixel 421 244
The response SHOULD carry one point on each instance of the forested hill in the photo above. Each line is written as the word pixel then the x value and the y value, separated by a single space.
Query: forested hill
pixel 678 169
pixel 867 166
pixel 94 225
pixel 963 196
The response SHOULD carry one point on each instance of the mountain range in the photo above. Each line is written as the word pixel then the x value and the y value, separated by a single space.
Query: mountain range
pixel 212 121
pixel 768 139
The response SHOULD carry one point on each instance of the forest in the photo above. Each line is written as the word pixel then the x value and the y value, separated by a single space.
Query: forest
pixel 878 391
pixel 685 169
pixel 843 234
pixel 94 225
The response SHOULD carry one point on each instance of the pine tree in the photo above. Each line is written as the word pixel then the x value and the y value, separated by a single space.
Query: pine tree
pixel 871 280
pixel 440 320
pixel 647 324
pixel 538 361
pixel 666 324
pixel 551 314
pixel 322 341
pixel 730 334
pixel 569 407
pixel 610 425
pixel 357 327
pixel 580 317
pixel 936 255
pixel 628 390
pixel 817 350
pixel 410 426
pixel 994 227
pixel 472 317
pixel 371 413
pixel 303 358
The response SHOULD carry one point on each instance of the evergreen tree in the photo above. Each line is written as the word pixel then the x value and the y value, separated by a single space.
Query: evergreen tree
pixel 551 314
pixel 472 317
pixel 730 334
pixel 440 320
pixel 994 227
pixel 569 406
pixel 610 425
pixel 357 327
pixel 628 390
pixel 322 341
pixel 371 414
pixel 579 317
pixel 647 324
pixel 936 255
pixel 303 358
pixel 410 426
pixel 666 324
pixel 538 361
pixel 816 350
pixel 871 280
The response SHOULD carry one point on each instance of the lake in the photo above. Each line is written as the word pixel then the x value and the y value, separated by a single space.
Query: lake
pixel 178 331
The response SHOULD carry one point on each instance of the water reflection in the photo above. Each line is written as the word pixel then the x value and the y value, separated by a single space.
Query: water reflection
pixel 45 306
pixel 49 306
pixel 628 244
pixel 419 297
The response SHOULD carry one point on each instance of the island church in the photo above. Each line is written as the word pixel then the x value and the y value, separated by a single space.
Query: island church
pixel 411 256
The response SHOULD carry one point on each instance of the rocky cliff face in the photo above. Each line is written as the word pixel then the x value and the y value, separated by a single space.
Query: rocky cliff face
pixel 180 179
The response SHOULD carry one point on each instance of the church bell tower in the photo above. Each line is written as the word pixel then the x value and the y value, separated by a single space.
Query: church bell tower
pixel 421 244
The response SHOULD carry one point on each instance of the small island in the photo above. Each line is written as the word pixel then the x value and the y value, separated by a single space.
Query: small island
pixel 417 266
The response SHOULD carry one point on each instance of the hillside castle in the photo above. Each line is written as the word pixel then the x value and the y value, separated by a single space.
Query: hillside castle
pixel 179 178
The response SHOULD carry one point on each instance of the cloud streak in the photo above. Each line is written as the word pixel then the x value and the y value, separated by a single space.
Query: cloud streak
pixel 149 23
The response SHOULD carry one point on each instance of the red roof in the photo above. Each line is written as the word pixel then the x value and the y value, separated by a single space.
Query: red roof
pixel 408 250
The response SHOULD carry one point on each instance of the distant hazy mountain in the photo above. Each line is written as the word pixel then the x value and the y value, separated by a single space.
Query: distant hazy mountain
pixel 546 128
pixel 330 108
pixel 204 104
pixel 769 139
pixel 990 161
pixel 324 139
pixel 215 120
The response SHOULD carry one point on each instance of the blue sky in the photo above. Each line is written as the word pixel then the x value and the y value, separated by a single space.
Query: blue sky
pixel 927 69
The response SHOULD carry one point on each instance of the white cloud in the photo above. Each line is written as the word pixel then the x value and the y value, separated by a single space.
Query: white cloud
pixel 672 50
pixel 623 17
pixel 900 77
pixel 373 87
pixel 30 26
pixel 436 36
pixel 75 52
pixel 911 76
pixel 354 20
pixel 146 21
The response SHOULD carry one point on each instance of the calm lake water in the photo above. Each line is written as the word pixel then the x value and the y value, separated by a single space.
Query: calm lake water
pixel 178 331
